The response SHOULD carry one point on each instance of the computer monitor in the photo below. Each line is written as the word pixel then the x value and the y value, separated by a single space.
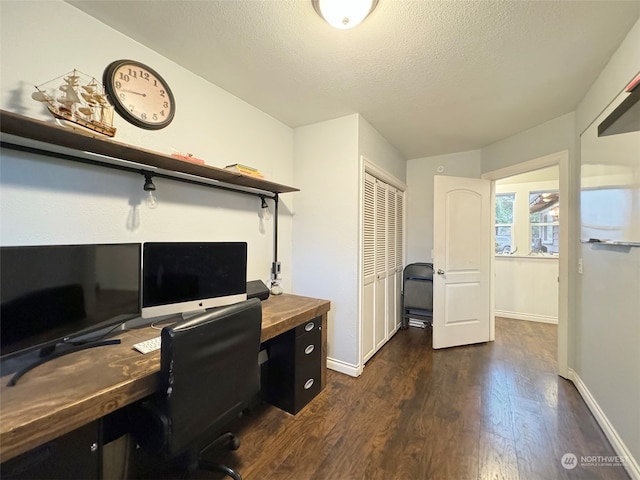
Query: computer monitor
pixel 189 277
pixel 54 294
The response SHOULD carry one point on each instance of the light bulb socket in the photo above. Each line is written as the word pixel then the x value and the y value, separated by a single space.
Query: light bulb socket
pixel 148 182
pixel 265 214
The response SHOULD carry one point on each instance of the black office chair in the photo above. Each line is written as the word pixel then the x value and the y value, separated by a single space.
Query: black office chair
pixel 209 374
pixel 417 293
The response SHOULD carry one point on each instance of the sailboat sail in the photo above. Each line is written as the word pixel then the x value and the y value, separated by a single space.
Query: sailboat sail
pixel 78 100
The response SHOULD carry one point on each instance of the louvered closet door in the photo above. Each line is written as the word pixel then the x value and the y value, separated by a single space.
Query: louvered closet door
pixel 383 255
pixel 369 267
pixel 399 239
pixel 392 306
pixel 380 330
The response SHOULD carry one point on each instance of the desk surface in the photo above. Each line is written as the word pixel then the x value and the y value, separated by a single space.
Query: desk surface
pixel 66 393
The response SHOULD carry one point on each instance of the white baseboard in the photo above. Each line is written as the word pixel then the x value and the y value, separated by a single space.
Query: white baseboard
pixel 530 317
pixel 343 367
pixel 631 464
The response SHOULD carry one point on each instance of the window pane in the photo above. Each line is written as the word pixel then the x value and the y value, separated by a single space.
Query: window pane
pixel 543 217
pixel 545 238
pixel 503 239
pixel 543 206
pixel 504 208
pixel 504 222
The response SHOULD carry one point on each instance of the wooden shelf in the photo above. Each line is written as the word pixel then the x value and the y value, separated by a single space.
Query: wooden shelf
pixel 23 132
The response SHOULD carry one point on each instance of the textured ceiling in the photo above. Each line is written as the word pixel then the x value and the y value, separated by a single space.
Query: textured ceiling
pixel 432 77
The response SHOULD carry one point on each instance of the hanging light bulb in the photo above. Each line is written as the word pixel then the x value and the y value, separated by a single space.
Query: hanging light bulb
pixel 151 201
pixel 265 214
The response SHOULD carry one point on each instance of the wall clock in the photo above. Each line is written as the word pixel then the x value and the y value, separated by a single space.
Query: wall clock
pixel 139 94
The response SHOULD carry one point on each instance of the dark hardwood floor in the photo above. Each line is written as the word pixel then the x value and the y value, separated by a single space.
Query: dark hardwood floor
pixel 489 411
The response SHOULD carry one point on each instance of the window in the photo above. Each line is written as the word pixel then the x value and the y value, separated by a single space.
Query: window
pixel 504 222
pixel 543 219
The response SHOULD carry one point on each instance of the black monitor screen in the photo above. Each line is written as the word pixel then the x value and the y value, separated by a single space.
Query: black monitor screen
pixel 189 276
pixel 52 293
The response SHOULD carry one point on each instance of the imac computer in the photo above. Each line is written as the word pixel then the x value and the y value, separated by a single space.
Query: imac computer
pixel 189 277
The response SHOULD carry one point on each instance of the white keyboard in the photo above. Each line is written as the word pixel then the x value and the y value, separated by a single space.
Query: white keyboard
pixel 148 346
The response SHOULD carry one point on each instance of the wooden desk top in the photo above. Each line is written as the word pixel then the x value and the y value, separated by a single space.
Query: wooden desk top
pixel 66 393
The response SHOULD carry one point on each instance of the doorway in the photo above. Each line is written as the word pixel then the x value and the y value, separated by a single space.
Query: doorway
pixel 561 159
pixel 526 246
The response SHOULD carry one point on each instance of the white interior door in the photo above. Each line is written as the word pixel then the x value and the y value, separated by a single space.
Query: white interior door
pixel 461 261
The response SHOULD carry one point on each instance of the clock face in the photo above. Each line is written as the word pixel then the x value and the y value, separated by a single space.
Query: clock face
pixel 139 94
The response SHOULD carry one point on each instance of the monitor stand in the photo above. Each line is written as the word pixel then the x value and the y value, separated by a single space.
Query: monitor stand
pixel 50 355
pixel 193 313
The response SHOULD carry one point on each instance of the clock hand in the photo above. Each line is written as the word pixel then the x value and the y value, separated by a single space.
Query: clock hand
pixel 137 93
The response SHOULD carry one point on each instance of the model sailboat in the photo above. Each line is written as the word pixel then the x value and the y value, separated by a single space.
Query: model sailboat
pixel 78 100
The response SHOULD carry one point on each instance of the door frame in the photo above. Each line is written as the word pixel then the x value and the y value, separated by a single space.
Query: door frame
pixel 562 160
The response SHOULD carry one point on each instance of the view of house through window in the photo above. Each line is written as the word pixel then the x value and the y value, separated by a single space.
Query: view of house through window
pixel 543 219
pixel 504 222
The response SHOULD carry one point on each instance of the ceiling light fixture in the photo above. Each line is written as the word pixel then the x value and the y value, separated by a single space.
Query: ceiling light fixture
pixel 344 14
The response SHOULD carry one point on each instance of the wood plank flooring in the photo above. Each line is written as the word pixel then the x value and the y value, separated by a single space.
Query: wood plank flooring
pixel 489 411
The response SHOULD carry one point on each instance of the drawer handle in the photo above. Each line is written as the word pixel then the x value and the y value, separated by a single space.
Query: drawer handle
pixel 308 384
pixel 309 349
pixel 309 326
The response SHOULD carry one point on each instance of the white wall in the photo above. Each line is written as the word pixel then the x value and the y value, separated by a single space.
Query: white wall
pixel 550 137
pixel 607 341
pixel 377 150
pixel 325 234
pixel 526 288
pixel 420 173
pixel 326 238
pixel 52 201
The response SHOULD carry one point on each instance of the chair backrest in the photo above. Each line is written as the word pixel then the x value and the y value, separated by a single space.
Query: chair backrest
pixel 209 372
pixel 418 271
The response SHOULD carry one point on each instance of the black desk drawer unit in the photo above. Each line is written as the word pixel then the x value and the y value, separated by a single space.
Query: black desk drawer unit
pixel 294 366
pixel 76 456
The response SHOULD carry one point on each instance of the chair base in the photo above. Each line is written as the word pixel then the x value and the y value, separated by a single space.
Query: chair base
pixel 232 442
pixel 217 467
pixel 150 466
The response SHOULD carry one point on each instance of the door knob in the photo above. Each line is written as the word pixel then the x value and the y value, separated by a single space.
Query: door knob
pixel 440 271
